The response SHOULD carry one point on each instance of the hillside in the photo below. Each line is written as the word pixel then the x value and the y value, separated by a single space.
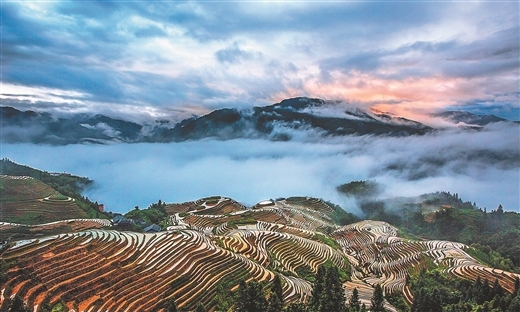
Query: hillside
pixel 212 244
pixel 26 200
pixel 494 235
pixel 62 185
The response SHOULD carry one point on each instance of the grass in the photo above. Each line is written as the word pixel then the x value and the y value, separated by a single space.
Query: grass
pixel 327 240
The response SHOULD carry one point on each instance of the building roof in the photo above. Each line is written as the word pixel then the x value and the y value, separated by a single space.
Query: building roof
pixel 152 228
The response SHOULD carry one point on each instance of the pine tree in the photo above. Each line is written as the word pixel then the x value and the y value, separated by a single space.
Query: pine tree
pixel 497 289
pixel 317 289
pixel 328 293
pixel 354 304
pixel 296 307
pixel 200 308
pixel 257 301
pixel 486 290
pixel 363 308
pixel 250 297
pixel 377 301
pixel 242 297
pixel 17 305
pixel 275 303
pixel 172 306
pixel 514 306
pixel 335 290
pixel 478 291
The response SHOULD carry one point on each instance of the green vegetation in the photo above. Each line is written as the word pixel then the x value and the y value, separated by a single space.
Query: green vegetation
pixel 305 272
pixel 172 306
pixel 327 240
pixel 354 304
pixel 250 297
pixel 340 216
pixel 437 292
pixel 17 305
pixel 495 235
pixel 58 197
pixel 398 301
pixel 328 293
pixel 153 214
pixel 360 189
pixel 242 221
pixel 275 302
pixel 377 301
pixel 66 184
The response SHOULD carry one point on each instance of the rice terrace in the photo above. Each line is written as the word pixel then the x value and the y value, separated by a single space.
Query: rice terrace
pixel 201 251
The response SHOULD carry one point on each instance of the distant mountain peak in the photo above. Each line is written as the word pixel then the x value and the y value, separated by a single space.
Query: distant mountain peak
pixel 467 119
pixel 298 103
pixel 302 117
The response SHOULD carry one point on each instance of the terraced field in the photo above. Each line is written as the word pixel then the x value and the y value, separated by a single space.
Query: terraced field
pixel 379 256
pixel 221 243
pixel 209 205
pixel 17 231
pixel 31 201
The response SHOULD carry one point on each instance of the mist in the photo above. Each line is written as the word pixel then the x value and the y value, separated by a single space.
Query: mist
pixel 481 166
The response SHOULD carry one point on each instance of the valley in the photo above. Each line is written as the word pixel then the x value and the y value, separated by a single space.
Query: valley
pixel 204 248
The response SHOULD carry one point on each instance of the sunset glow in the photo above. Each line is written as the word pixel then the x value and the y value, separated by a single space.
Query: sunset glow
pixel 406 58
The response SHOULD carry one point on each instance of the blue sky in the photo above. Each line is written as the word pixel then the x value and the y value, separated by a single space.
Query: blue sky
pixel 149 59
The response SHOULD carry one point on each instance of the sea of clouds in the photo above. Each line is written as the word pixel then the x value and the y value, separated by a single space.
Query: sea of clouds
pixel 481 166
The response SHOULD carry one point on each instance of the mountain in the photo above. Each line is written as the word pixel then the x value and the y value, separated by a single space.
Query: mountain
pixel 443 215
pixel 43 128
pixel 281 121
pixel 296 118
pixel 25 199
pixel 33 196
pixel 467 119
pixel 214 243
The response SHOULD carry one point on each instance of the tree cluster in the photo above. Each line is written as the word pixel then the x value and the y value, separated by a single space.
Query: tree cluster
pixel 435 292
pixel 494 234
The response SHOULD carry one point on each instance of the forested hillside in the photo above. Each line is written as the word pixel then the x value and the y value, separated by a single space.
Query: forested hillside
pixel 493 235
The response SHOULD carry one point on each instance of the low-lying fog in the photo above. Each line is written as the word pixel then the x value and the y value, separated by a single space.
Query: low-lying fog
pixel 480 166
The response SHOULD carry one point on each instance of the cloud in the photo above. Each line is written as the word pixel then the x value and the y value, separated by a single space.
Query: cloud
pixel 214 54
pixel 233 54
pixel 106 129
pixel 480 166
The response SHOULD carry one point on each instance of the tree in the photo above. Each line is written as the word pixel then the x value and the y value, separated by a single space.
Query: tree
pixel 242 297
pixel 497 289
pixel 250 297
pixel 17 305
pixel 172 305
pixel 200 308
pixel 317 289
pixel 335 298
pixel 515 304
pixel 354 304
pixel 377 301
pixel 296 307
pixel 328 293
pixel 275 303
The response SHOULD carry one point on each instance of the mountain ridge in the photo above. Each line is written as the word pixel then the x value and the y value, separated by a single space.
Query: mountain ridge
pixel 283 121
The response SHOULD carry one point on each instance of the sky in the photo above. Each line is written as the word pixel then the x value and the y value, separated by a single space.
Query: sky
pixel 145 60
pixel 175 59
